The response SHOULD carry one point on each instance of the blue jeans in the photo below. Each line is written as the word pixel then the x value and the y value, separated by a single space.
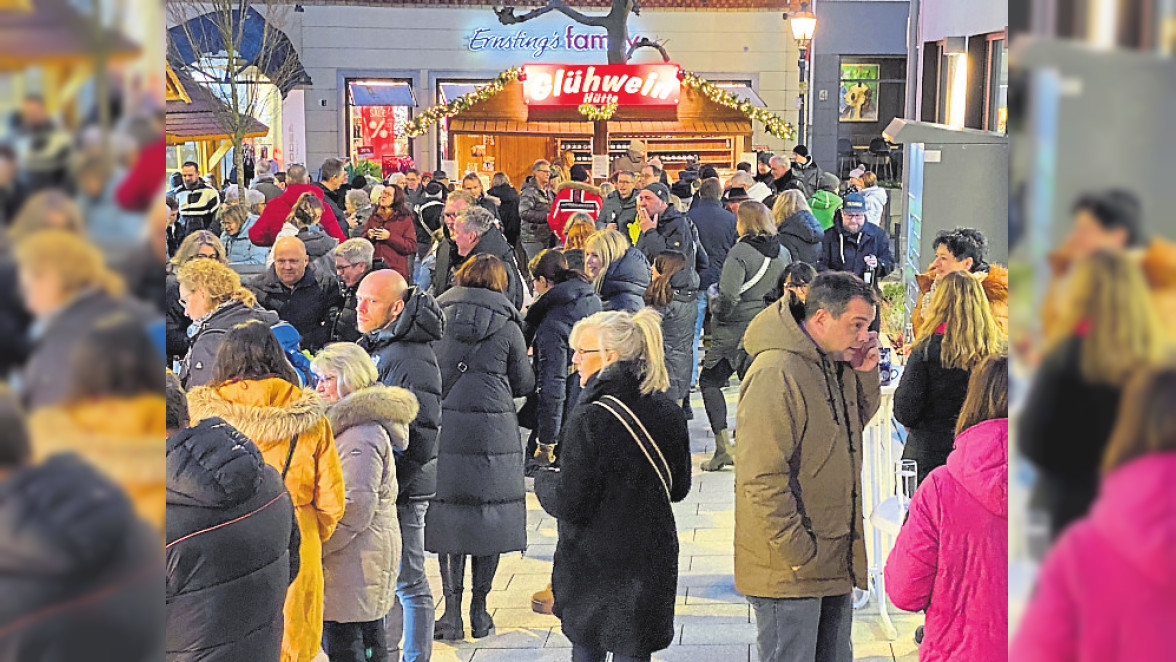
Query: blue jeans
pixel 412 615
pixel 582 653
pixel 702 301
pixel 804 629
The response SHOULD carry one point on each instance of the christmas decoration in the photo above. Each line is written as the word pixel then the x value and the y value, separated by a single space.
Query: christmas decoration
pixel 420 124
pixel 772 122
pixel 596 113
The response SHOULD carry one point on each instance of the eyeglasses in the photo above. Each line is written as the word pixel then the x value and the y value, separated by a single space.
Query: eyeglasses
pixel 546 171
pixel 345 267
pixel 588 351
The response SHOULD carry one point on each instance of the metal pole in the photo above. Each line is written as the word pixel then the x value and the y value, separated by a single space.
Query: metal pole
pixel 802 62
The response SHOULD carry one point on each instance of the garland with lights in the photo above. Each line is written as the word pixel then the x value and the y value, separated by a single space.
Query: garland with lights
pixel 772 122
pixel 420 124
pixel 596 113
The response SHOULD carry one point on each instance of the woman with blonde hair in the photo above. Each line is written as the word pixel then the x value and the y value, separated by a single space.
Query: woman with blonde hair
pixel 620 273
pixel 580 228
pixel 362 558
pixel 202 245
pixel 1108 331
pixel 799 231
pixel 958 333
pixel 255 390
pixel 50 209
pixel 215 301
pixel 624 458
pixel 67 288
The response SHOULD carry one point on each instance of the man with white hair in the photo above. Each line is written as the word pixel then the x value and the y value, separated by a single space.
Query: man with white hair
pixel 475 232
pixel 353 260
pixel 757 191
pixel 263 180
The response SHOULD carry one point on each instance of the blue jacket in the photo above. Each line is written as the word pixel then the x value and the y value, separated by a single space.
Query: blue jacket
pixel 625 282
pixel 844 252
pixel 239 249
pixel 716 231
pixel 548 329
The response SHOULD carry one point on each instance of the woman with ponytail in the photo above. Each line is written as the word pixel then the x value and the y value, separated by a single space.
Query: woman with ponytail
pixel 671 296
pixel 624 457
pixel 215 301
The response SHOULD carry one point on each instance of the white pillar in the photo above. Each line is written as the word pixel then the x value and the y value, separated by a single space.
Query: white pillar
pixel 293 146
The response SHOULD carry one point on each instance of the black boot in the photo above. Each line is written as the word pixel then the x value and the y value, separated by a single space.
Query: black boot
pixel 687 409
pixel 450 626
pixel 481 625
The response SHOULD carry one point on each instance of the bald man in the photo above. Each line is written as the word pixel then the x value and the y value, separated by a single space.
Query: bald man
pixel 299 293
pixel 398 323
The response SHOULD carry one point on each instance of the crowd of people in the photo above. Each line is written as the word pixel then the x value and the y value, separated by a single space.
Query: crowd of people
pixel 361 373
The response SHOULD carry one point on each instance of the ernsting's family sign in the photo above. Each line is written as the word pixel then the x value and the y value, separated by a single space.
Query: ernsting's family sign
pixel 622 84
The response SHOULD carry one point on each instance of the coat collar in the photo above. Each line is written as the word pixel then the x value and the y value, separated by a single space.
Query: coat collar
pixel 267 411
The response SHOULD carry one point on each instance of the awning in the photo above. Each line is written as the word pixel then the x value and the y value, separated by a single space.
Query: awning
pixel 451 91
pixel 723 127
pixel 744 92
pixel 381 93
pixel 53 32
pixel 198 118
pixel 262 45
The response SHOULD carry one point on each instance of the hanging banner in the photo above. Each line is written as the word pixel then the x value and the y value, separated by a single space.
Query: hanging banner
pixel 598 85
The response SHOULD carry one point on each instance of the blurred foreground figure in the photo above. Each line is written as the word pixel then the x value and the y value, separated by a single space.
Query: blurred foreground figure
pixel 1105 591
pixel 79 573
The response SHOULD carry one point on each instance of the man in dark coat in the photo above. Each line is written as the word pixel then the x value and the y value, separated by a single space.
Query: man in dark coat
pixel 508 209
pixel 79 572
pixel 354 260
pixel 854 245
pixel 664 228
pixel 620 206
pixel 299 293
pixel 475 233
pixel 414 190
pixel 265 182
pixel 12 193
pixel 399 326
pixel 716 233
pixel 448 259
pixel 232 543
pixel 332 178
pixel 534 205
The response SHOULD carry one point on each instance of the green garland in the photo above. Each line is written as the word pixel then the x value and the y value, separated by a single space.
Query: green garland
pixel 596 113
pixel 774 124
pixel 420 124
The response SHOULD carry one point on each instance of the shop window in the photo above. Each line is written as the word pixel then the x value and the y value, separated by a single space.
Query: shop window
pixel 871 94
pixel 997 107
pixel 377 112
pixel 447 91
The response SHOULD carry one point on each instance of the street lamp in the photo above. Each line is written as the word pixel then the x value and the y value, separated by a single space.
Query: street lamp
pixel 804 24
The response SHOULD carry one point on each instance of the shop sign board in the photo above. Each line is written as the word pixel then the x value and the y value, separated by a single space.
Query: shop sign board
pixel 597 84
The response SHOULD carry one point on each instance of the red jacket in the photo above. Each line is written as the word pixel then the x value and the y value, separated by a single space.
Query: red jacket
pixel 141 184
pixel 572 197
pixel 265 230
pixel 401 244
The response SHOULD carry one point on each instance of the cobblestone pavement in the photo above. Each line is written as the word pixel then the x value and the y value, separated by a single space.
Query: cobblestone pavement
pixel 714 623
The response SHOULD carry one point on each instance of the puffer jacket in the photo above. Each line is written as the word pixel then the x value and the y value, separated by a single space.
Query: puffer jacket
pixel 534 205
pixel 678 319
pixel 209 332
pixel 118 436
pixel 798 471
pixel 232 548
pixel 1104 592
pixel 951 555
pixel 570 199
pixel 801 234
pixel 737 304
pixel 480 508
pixel 623 212
pixel 320 249
pixel 361 559
pixel 267 227
pixel 674 232
pixel 272 412
pixel 80 574
pixel 548 329
pixel 993 278
pixel 309 306
pixel 493 243
pixel 239 249
pixel 876 200
pixel 625 282
pixel 403 353
pixel 508 211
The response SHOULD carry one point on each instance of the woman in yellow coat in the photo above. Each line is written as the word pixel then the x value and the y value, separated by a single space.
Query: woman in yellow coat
pixel 254 389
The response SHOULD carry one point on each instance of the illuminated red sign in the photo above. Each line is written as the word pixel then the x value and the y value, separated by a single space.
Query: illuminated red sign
pixel 622 84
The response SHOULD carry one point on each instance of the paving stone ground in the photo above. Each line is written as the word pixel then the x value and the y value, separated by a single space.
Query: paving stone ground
pixel 715 624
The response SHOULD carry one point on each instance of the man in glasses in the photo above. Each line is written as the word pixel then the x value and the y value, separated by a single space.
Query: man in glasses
pixel 353 260
pixel 534 206
pixel 448 257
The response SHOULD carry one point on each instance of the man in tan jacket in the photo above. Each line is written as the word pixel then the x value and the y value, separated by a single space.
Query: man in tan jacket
pixel 812 387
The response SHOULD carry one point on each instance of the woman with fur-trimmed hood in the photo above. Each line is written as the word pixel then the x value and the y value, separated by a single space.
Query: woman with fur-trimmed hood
pixel 255 390
pixel 360 562
pixel 963 249
pixel 577 194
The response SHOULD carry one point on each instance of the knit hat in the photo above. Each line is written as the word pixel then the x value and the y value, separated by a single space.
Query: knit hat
pixel 660 190
pixel 359 181
pixel 636 145
pixel 434 189
pixel 829 181
pixel 801 150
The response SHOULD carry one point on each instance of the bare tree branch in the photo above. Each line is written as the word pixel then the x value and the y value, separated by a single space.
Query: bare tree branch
pixel 506 15
pixel 615 22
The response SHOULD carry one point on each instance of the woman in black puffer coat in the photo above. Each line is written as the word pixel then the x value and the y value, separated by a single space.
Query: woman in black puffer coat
pixel 480 508
pixel 799 231
pixel 227 585
pixel 670 294
pixel 508 206
pixel 619 272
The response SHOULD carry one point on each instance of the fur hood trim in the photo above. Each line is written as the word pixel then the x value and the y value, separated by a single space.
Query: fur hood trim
pixel 583 186
pixel 266 411
pixel 376 404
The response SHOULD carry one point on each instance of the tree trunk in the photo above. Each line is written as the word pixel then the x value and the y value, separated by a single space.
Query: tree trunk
pixel 618 40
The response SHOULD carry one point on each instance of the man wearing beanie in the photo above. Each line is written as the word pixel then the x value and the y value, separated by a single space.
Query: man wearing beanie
pixel 763 164
pixel 632 160
pixel 571 197
pixel 664 228
pixel 804 170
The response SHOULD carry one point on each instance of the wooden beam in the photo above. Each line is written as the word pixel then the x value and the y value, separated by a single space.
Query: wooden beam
pixel 219 154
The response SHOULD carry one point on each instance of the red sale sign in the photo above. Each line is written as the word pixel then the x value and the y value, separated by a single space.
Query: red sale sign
pixel 622 84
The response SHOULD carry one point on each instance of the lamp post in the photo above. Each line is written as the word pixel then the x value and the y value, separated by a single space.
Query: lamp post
pixel 803 24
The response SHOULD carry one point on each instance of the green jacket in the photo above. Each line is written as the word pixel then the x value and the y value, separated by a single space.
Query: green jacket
pixel 824 204
pixel 799 408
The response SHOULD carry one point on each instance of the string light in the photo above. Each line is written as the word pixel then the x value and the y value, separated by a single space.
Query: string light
pixel 418 125
pixel 772 122
pixel 596 113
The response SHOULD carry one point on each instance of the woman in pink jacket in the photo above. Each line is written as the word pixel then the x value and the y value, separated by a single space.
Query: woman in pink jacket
pixel 951 556
pixel 1105 590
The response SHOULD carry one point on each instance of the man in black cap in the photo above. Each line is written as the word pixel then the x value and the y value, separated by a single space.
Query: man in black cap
pixel 854 245
pixel 804 171
pixel 664 228
pixel 763 172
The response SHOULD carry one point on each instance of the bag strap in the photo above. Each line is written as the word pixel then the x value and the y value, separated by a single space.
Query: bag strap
pixel 289 457
pixel 759 275
pixel 614 406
